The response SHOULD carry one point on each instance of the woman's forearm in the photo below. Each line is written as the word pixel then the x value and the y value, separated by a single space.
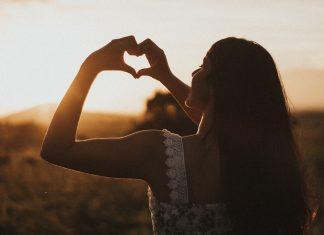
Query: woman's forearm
pixel 160 71
pixel 180 91
pixel 62 130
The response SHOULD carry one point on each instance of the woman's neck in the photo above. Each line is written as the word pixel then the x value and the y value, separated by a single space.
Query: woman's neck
pixel 206 129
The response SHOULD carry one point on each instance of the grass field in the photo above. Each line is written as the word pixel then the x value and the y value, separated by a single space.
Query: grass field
pixel 40 198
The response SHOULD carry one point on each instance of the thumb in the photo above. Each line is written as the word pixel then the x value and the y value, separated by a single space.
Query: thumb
pixel 144 72
pixel 129 69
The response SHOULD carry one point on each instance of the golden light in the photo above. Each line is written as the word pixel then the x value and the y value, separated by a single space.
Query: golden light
pixel 43 43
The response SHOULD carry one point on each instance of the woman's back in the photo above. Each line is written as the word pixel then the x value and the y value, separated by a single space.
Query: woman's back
pixel 187 196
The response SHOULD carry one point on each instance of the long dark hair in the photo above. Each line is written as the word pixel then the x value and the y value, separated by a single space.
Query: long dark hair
pixel 260 162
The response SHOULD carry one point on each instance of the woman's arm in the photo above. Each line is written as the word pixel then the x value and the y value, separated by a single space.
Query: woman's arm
pixel 128 156
pixel 62 130
pixel 180 91
pixel 160 70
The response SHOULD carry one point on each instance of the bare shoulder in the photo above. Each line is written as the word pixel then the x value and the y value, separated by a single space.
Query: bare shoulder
pixel 149 133
pixel 191 141
pixel 151 144
pixel 151 140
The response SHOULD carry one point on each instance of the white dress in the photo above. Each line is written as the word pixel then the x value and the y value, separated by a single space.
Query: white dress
pixel 181 216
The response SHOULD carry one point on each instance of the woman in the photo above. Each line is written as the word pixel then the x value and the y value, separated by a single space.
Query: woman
pixel 239 174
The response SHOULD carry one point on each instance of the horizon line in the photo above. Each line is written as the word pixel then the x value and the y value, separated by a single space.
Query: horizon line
pixel 90 110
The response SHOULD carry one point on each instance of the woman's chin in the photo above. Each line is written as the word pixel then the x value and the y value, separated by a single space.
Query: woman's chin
pixel 191 104
pixel 188 103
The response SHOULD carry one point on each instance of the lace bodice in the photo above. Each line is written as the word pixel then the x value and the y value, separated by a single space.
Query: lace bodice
pixel 180 216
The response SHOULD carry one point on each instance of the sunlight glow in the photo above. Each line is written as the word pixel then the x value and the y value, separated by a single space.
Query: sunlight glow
pixel 43 43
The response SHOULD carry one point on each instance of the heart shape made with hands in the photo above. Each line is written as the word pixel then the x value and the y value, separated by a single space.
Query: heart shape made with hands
pixel 136 62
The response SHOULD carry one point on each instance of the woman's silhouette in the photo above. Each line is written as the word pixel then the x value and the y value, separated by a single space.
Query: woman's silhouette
pixel 239 174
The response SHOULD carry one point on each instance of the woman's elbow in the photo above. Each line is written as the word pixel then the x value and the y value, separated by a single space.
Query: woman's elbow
pixel 50 151
pixel 55 154
pixel 46 153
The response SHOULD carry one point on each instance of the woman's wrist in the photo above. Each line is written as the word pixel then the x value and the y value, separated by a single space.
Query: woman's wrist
pixel 88 71
pixel 167 78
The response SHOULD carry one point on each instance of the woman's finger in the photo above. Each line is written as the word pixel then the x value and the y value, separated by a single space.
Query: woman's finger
pixel 128 41
pixel 147 46
pixel 144 72
pixel 143 47
pixel 129 69
pixel 129 44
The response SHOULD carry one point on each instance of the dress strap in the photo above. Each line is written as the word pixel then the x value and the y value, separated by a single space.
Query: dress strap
pixel 176 169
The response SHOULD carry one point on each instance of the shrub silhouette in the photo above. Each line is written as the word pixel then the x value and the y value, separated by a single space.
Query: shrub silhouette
pixel 163 111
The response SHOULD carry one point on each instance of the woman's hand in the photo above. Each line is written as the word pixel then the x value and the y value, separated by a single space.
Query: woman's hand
pixel 159 69
pixel 111 56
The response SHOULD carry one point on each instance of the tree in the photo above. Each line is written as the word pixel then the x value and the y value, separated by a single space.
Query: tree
pixel 163 111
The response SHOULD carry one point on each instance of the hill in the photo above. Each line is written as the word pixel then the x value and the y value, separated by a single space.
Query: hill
pixel 92 124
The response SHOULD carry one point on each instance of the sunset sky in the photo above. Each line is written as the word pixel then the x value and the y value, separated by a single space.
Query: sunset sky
pixel 43 43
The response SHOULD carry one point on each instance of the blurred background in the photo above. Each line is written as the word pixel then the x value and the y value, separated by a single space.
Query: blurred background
pixel 43 43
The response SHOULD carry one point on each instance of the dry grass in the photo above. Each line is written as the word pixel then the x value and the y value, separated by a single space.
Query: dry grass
pixel 40 198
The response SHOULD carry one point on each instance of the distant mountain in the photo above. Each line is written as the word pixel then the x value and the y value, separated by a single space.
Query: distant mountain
pixel 40 114
pixel 92 124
